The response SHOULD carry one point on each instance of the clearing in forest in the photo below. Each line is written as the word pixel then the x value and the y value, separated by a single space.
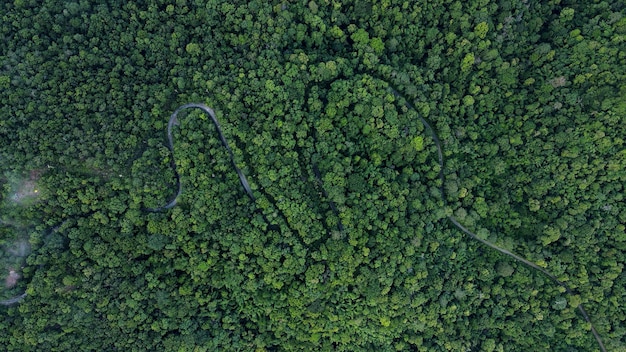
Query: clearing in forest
pixel 24 190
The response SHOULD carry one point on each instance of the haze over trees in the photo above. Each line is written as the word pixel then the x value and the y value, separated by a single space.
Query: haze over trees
pixel 345 244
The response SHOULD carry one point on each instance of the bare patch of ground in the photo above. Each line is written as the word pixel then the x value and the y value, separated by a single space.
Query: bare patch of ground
pixel 11 279
pixel 12 260
pixel 26 190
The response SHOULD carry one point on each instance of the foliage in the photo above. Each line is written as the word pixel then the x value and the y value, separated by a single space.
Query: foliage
pixel 345 246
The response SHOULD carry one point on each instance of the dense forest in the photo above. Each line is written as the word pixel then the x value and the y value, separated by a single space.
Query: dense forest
pixel 364 129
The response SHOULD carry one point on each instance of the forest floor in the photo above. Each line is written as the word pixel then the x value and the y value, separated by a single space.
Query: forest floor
pixel 13 255
pixel 27 190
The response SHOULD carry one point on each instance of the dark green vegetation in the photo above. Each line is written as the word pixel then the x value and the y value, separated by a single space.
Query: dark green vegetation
pixel 528 100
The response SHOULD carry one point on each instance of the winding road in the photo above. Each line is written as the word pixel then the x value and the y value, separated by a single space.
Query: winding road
pixel 463 229
pixel 173 121
pixel 244 182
